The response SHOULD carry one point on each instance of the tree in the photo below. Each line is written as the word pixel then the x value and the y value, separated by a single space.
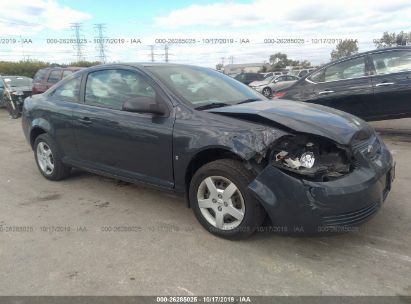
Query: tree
pixel 345 48
pixel 393 39
pixel 219 66
pixel 279 61
pixel 29 68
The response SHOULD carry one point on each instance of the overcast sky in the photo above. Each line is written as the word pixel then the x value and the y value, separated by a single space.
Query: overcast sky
pixel 39 20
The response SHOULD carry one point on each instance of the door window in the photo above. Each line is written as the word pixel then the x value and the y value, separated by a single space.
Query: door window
pixel 348 69
pixel 392 62
pixel 111 88
pixel 69 91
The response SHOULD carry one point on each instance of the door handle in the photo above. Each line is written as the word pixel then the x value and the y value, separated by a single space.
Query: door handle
pixel 383 84
pixel 325 92
pixel 85 121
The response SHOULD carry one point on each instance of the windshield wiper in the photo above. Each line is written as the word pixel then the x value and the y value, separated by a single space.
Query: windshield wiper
pixel 249 100
pixel 212 105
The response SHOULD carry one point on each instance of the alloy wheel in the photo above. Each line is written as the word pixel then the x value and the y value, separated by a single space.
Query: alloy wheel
pixel 45 158
pixel 221 202
pixel 266 92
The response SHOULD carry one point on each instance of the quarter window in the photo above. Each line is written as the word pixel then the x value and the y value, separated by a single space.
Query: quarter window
pixel 55 76
pixel 353 68
pixel 67 72
pixel 40 75
pixel 392 62
pixel 111 88
pixel 317 77
pixel 69 91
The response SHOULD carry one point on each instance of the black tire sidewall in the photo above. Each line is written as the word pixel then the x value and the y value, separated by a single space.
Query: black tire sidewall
pixel 269 90
pixel 60 170
pixel 251 219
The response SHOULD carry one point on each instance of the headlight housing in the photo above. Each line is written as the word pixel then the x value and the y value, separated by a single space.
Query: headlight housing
pixel 311 157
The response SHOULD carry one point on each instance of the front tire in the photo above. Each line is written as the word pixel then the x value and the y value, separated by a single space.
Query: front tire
pixel 221 202
pixel 48 159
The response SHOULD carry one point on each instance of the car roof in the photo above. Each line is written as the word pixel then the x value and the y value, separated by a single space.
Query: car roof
pixel 371 52
pixel 62 68
pixel 382 50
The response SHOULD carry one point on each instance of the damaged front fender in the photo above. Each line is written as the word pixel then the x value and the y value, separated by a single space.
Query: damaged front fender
pixel 349 200
pixel 254 144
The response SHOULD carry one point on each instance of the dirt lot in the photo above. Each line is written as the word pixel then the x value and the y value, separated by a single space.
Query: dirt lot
pixel 55 239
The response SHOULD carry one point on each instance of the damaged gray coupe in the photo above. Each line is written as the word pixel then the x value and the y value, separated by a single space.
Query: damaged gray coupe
pixel 238 157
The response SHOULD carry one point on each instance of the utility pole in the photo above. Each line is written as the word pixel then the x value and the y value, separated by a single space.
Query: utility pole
pixel 76 27
pixel 222 61
pixel 166 52
pixel 152 52
pixel 100 39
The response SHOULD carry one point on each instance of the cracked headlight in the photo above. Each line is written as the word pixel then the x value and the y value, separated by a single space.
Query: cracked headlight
pixel 312 157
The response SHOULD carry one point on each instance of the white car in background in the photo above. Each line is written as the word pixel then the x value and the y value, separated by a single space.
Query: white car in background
pixel 272 84
pixel 271 74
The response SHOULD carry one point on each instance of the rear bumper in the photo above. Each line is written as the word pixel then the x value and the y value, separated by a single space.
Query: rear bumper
pixel 300 206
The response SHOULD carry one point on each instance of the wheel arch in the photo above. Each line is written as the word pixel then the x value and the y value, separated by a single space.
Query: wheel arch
pixel 34 133
pixel 203 157
pixel 38 126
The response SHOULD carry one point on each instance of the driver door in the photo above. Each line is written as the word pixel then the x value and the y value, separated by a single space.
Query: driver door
pixel 132 145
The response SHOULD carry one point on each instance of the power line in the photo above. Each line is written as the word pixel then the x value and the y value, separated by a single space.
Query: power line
pixel 78 46
pixel 100 39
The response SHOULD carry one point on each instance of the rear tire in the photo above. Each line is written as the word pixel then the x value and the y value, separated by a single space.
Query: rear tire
pixel 48 159
pixel 221 202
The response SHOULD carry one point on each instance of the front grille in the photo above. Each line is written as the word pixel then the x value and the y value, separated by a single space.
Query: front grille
pixel 350 218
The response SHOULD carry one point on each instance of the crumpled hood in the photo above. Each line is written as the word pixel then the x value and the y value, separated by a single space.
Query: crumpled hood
pixel 336 125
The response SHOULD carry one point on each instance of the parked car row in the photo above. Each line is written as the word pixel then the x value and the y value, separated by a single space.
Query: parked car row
pixel 15 89
pixel 47 77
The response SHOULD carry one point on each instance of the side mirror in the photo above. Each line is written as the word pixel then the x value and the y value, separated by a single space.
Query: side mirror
pixel 143 104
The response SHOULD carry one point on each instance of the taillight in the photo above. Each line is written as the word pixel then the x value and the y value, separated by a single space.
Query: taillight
pixel 279 94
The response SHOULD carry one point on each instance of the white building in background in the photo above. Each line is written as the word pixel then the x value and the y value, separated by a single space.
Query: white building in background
pixel 244 68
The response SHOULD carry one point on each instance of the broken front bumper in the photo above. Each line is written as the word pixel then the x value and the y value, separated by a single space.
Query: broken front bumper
pixel 297 205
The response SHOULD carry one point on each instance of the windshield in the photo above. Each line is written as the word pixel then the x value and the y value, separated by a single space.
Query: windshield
pixel 18 81
pixel 200 87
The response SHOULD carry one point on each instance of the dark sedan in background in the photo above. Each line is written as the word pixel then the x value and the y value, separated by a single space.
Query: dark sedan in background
pixel 374 85
pixel 247 78
pixel 18 87
pixel 3 92
pixel 236 155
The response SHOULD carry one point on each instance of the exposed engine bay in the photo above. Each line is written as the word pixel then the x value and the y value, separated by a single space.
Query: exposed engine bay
pixel 312 157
